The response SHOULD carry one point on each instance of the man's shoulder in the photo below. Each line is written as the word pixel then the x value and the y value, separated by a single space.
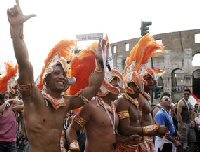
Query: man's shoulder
pixel 180 102
pixel 160 113
pixel 121 102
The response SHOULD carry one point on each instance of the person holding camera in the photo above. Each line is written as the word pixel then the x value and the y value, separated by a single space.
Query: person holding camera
pixel 8 123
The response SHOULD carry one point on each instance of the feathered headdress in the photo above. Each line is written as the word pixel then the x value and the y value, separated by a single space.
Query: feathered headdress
pixel 62 53
pixel 5 81
pixel 146 48
pixel 82 65
pixel 106 86
pixel 132 77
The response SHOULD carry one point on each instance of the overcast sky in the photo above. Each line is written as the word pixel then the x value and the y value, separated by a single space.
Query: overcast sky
pixel 120 19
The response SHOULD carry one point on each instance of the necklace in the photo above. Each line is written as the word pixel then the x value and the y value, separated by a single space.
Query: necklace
pixel 56 103
pixel 131 100
pixel 110 110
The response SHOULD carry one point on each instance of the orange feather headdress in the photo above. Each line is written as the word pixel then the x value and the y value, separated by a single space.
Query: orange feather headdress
pixel 5 81
pixel 106 86
pixel 61 53
pixel 144 50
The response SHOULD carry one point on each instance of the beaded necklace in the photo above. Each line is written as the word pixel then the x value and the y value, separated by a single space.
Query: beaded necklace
pixel 110 110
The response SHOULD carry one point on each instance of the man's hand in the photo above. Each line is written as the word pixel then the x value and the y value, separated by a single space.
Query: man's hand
pixel 15 15
pixel 177 143
pixel 162 130
pixel 100 49
pixel 16 19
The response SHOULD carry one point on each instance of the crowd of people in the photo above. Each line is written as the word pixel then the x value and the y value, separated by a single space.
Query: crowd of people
pixel 82 104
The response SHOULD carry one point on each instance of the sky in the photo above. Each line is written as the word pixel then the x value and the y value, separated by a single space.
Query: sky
pixel 64 19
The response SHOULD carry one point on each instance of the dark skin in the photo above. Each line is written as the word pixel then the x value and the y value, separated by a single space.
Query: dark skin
pixel 131 126
pixel 43 123
pixel 98 125
pixel 145 104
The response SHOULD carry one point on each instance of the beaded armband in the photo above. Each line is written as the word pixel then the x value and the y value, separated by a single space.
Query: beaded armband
pixel 74 145
pixel 123 114
pixel 79 120
pixel 25 89
pixel 150 128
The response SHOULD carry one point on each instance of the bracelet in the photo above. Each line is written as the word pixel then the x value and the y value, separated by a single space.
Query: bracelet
pixel 98 71
pixel 151 128
pixel 74 145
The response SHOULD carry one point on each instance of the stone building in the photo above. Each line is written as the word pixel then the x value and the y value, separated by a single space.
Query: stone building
pixel 180 49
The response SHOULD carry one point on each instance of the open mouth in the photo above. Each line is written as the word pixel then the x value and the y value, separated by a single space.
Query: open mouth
pixel 61 82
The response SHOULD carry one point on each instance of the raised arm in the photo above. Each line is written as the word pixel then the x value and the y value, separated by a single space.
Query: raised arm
pixel 16 19
pixel 95 81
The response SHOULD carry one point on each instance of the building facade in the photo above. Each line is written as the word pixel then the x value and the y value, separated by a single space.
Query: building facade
pixel 180 47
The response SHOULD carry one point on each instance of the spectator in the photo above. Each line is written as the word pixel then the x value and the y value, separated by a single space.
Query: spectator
pixel 163 144
pixel 8 123
pixel 184 118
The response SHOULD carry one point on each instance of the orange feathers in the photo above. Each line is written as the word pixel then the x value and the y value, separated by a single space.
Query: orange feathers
pixel 64 49
pixel 146 48
pixel 11 72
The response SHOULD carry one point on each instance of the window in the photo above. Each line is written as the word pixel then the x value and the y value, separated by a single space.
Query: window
pixel 114 49
pixel 197 38
pixel 126 47
pixel 159 41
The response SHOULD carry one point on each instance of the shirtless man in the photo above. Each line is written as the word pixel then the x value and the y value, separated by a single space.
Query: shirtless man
pixel 44 122
pixel 145 104
pixel 99 119
pixel 127 108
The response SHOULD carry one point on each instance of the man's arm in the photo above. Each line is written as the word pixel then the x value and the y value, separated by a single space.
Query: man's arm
pixel 78 124
pixel 179 111
pixel 124 127
pixel 16 19
pixel 94 82
pixel 2 107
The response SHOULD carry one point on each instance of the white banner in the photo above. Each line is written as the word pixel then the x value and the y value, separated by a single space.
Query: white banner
pixel 91 36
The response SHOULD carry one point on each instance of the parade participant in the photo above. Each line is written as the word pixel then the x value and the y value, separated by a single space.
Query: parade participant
pixel 44 112
pixel 129 115
pixel 98 118
pixel 137 60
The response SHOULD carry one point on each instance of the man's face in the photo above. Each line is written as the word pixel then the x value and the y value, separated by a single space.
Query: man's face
pixel 134 87
pixel 186 95
pixel 149 82
pixel 115 82
pixel 166 102
pixel 58 81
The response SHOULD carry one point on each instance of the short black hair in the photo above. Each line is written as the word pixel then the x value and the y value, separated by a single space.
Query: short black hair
pixel 187 90
pixel 165 94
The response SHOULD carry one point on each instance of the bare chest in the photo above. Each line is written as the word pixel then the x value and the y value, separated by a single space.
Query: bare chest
pixel 146 108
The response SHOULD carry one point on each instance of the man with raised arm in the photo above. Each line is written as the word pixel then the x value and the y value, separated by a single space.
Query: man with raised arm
pixel 44 112
pixel 98 118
